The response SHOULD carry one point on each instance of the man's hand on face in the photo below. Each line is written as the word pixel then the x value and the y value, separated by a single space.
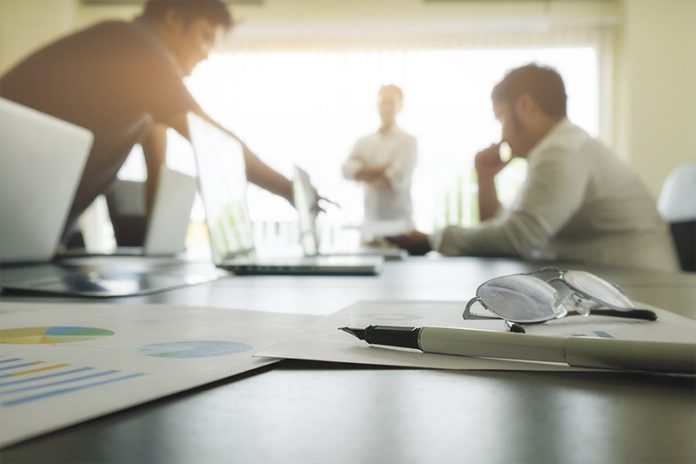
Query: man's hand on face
pixel 415 242
pixel 488 162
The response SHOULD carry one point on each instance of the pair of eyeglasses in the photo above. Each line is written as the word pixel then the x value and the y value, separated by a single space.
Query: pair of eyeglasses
pixel 551 293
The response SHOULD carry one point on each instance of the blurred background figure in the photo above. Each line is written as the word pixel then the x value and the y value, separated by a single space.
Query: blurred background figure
pixel 383 162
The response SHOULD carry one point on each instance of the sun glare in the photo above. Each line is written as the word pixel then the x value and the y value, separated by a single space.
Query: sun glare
pixel 309 108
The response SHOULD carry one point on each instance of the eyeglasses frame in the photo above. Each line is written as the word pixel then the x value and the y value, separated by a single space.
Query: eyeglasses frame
pixel 609 309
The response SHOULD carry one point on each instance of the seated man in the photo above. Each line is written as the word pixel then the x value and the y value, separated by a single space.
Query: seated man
pixel 124 82
pixel 383 162
pixel 579 202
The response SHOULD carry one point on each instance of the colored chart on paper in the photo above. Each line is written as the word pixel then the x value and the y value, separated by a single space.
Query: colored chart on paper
pixel 598 333
pixel 26 380
pixel 47 335
pixel 193 349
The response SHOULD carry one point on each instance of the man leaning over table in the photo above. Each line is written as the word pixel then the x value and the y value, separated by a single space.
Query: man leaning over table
pixel 123 80
pixel 579 202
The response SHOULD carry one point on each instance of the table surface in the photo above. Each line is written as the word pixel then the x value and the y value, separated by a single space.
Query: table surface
pixel 310 412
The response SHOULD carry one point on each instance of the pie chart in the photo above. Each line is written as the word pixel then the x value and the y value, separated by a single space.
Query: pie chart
pixel 193 349
pixel 47 335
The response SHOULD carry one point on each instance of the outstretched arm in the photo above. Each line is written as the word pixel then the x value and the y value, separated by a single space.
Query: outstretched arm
pixel 257 171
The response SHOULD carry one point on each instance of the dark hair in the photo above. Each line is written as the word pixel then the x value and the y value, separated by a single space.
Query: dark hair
pixel 214 11
pixel 542 83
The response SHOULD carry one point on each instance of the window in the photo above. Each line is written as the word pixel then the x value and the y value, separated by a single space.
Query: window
pixel 308 107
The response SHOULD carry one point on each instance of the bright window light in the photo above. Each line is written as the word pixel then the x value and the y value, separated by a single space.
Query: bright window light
pixel 309 108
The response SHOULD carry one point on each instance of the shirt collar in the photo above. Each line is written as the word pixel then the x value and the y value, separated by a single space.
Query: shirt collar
pixel 394 129
pixel 551 137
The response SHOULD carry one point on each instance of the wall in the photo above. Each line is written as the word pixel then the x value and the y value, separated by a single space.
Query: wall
pixel 656 86
pixel 27 24
pixel 308 12
pixel 655 65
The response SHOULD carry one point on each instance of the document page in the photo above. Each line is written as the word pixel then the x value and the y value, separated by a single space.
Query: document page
pixel 324 342
pixel 65 363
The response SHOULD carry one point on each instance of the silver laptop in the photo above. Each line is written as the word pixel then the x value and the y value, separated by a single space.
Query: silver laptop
pixel 41 162
pixel 222 183
pixel 171 214
pixel 305 198
pixel 167 223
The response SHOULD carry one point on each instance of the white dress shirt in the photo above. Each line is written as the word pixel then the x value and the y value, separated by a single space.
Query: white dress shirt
pixel 579 203
pixel 398 151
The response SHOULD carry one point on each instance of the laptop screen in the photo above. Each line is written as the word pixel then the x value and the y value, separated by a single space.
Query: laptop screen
pixel 222 183
pixel 33 212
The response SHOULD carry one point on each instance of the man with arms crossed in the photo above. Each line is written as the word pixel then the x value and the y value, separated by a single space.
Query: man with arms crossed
pixel 579 202
pixel 383 162
pixel 123 81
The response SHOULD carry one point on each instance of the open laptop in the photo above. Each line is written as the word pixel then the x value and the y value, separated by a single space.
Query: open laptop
pixel 165 231
pixel 171 214
pixel 222 183
pixel 305 198
pixel 41 161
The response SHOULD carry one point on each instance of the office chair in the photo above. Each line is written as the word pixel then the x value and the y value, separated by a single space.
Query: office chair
pixel 677 205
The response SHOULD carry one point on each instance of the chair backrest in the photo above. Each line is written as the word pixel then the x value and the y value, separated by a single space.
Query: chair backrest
pixel 677 205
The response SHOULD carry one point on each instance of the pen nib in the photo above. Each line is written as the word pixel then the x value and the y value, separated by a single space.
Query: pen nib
pixel 357 333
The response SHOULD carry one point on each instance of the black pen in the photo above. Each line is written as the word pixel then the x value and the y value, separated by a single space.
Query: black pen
pixel 604 353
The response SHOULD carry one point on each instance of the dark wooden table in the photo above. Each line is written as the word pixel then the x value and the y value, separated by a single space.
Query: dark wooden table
pixel 322 412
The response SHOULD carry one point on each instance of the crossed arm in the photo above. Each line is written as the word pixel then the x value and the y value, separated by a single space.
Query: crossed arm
pixel 373 175
pixel 395 175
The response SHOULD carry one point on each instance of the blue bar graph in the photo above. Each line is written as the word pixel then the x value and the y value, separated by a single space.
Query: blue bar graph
pixel 27 381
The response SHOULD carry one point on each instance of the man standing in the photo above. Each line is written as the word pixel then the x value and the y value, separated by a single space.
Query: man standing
pixel 123 81
pixel 579 202
pixel 383 162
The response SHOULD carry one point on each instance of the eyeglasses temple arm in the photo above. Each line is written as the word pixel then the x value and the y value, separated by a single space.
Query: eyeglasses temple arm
pixel 467 311
pixel 644 314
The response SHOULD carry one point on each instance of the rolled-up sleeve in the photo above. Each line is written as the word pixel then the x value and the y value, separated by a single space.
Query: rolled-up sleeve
pixel 354 162
pixel 400 170
pixel 553 192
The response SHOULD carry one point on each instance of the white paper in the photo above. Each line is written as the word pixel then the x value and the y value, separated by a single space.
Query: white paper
pixel 324 342
pixel 45 386
pixel 382 228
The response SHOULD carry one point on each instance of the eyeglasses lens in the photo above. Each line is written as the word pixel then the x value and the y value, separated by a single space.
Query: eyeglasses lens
pixel 599 289
pixel 520 298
